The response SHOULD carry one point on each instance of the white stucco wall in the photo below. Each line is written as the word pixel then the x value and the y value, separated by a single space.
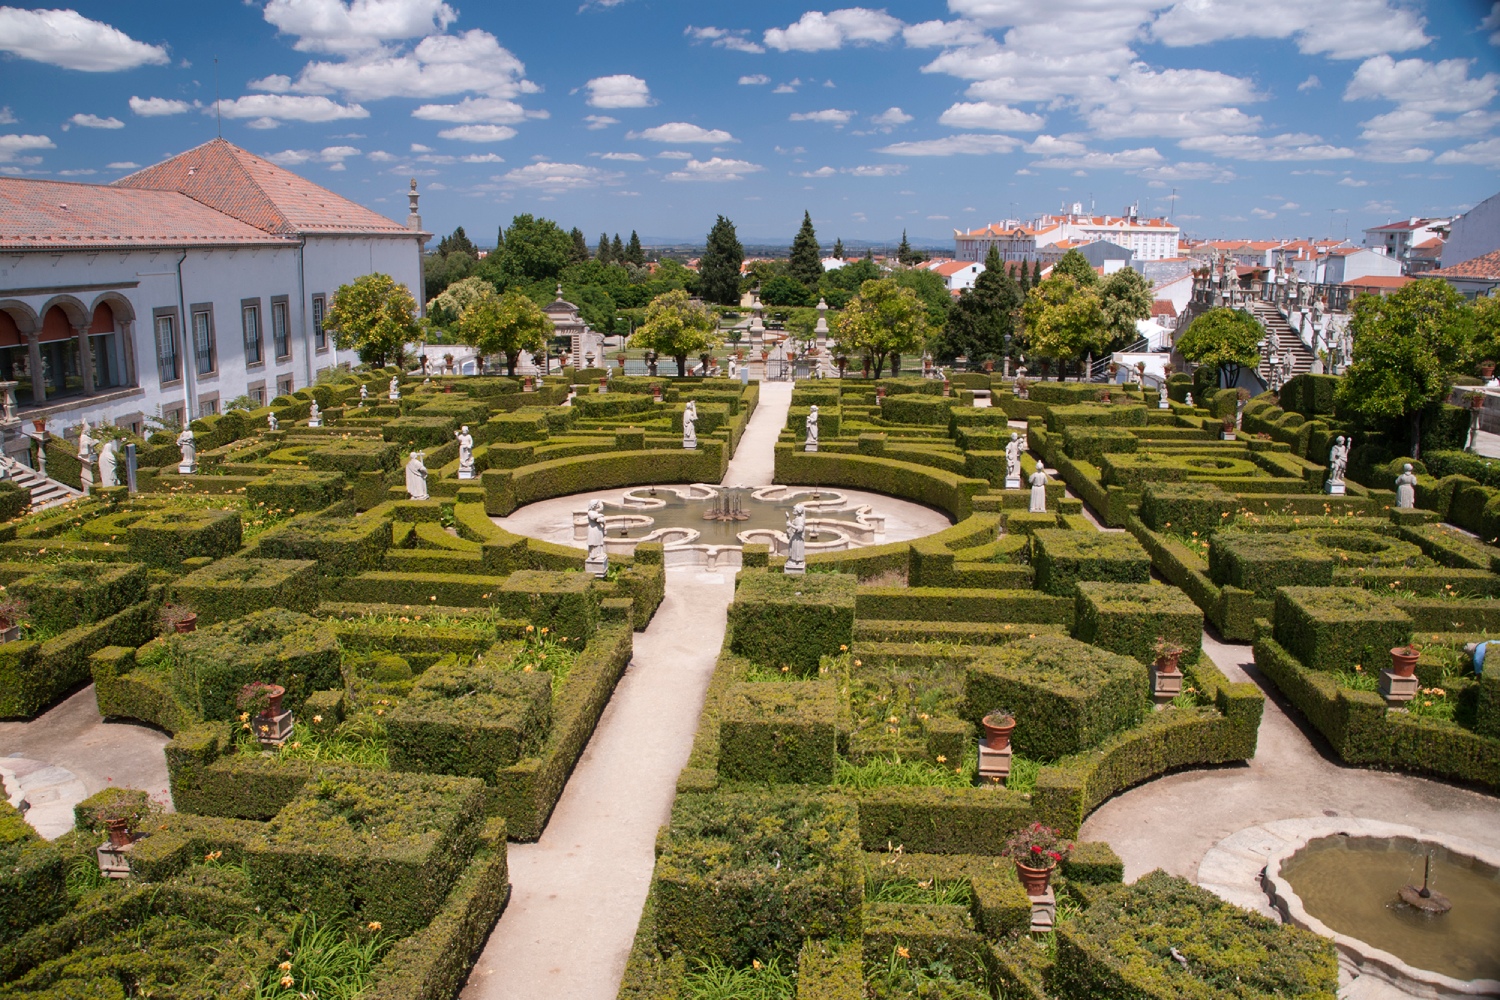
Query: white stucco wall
pixel 1474 234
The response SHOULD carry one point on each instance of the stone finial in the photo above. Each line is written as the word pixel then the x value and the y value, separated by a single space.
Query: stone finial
pixel 413 218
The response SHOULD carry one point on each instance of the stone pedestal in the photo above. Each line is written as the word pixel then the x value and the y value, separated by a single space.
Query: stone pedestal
pixel 1043 912
pixel 466 473
pixel 1013 483
pixel 187 468
pixel 114 862
pixel 596 567
pixel 1397 690
pixel 273 730
pixel 1165 686
pixel 795 568
pixel 812 446
pixel 994 765
pixel 1334 489
pixel 1162 404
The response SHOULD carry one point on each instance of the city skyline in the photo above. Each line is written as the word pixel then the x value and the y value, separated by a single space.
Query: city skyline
pixel 1284 119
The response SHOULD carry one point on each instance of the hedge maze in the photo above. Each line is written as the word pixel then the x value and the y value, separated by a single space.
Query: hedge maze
pixel 443 675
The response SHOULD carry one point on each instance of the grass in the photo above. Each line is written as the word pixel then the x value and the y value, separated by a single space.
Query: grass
pixel 324 962
pixel 545 652
pixel 901 977
pixel 362 740
pixel 714 980
pixel 953 892
pixel 1023 774
pixel 85 877
pixel 881 772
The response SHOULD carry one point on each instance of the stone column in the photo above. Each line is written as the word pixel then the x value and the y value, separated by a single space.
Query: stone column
pixel 85 360
pixel 34 357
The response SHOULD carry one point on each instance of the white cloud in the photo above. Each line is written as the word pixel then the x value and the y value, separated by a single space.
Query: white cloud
pixel 875 170
pixel 966 144
pixel 286 107
pixel 735 39
pixel 68 39
pixel 941 34
pixel 820 172
pixel 123 165
pixel 333 155
pixel 418 147
pixel 1262 213
pixel 1420 126
pixel 1277 148
pixel 681 132
pixel 76 173
pixel 1126 159
pixel 481 158
pixel 619 91
pixel 1351 29
pixel 1000 117
pixel 715 169
pixel 1350 182
pixel 624 157
pixel 478 133
pixel 12 145
pixel 597 122
pixel 381 156
pixel 1311 83
pixel 1492 23
pixel 472 110
pixel 357 26
pixel 152 107
pixel 891 117
pixel 828 116
pixel 816 31
pixel 94 121
pixel 1051 145
pixel 1187 171
pixel 1483 154
pixel 439 65
pixel 754 80
pixel 790 87
pixel 1419 85
pixel 276 83
pixel 674 154
pixel 1175 103
pixel 549 176
pixel 7 117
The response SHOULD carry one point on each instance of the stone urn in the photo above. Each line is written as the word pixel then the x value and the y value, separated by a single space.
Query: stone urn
pixel 186 624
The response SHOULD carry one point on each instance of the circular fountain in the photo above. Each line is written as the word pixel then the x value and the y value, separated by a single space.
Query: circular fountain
pixel 1417 909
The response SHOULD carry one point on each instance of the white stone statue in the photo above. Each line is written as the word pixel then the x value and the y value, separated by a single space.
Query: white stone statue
pixel 734 367
pixel 796 540
pixel 416 477
pixel 109 463
pixel 1406 488
pixel 465 453
pixel 1013 462
pixel 812 428
pixel 1338 458
pixel 1188 399
pixel 364 394
pixel 314 415
pixel 86 443
pixel 1038 483
pixel 189 464
pixel 690 425
pixel 1161 397
pixel 273 422
pixel 597 562
pixel 1239 413
pixel 395 388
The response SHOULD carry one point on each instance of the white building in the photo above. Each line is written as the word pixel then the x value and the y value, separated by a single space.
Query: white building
pixel 1397 238
pixel 180 287
pixel 1150 239
pixel 1473 234
pixel 956 274
pixel 1344 264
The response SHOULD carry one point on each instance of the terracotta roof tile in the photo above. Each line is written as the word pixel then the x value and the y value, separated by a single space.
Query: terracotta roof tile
pixel 1379 281
pixel 1485 267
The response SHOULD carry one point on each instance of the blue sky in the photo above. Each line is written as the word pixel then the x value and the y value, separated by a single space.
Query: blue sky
pixel 1272 118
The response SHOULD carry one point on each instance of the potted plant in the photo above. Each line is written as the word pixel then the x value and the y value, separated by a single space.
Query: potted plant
pixel 1168 655
pixel 1228 429
pixel 1036 850
pixel 261 699
pixel 178 618
pixel 998 725
pixel 1167 368
pixel 1021 391
pixel 448 363
pixel 1486 369
pixel 1404 659
pixel 12 610
pixel 1114 369
pixel 117 816
pixel 989 365
pixel 1476 400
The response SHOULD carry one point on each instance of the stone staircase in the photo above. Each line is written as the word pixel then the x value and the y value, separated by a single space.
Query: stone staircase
pixel 44 492
pixel 1271 319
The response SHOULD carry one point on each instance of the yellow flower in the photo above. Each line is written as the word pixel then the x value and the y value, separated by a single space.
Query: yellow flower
pixel 531 628
pixel 903 952
pixel 942 759
pixel 432 598
pixel 892 720
pixel 244 716
pixel 373 925
pixel 857 663
pixel 380 711
pixel 843 648
pixel 285 966
pixel 526 669
pixel 545 630
pixel 755 963
pixel 317 718
pixel 1428 704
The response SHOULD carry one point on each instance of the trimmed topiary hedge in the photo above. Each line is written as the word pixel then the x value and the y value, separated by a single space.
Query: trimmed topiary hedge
pixel 65 595
pixel 1128 618
pixel 778 620
pixel 778 733
pixel 167 537
pixel 1063 558
pixel 470 718
pixel 233 587
pixel 1337 628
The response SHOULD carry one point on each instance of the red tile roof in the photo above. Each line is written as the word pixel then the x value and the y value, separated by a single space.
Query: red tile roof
pixel 1163 307
pixel 1485 267
pixel 37 214
pixel 1379 281
pixel 238 183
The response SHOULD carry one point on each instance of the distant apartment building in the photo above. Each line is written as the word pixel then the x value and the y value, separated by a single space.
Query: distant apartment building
pixel 1473 234
pixel 1397 239
pixel 1148 239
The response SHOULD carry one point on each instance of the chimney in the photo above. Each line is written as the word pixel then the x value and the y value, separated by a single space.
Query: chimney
pixel 413 218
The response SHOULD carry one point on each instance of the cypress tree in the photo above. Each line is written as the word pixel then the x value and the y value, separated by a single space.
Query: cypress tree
pixel 1036 272
pixel 806 265
pixel 634 252
pixel 580 246
pixel 500 239
pixel 838 248
pixel 602 254
pixel 869 253
pixel 719 268
pixel 903 252
pixel 617 250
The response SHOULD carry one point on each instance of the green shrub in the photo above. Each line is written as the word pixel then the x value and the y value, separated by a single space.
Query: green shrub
pixel 1334 628
pixel 236 586
pixel 210 666
pixel 1128 618
pixel 167 537
pixel 64 595
pixel 341 544
pixel 564 602
pixel 780 733
pixel 778 620
pixel 1089 444
pixel 1262 561
pixel 351 456
pixel 1063 558
pixel 33 875
pixel 293 490
pixel 470 718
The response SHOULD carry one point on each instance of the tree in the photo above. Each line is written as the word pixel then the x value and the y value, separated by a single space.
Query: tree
pixel 1125 297
pixel 499 239
pixel 675 327
pixel 445 309
pixel 617 251
pixel 806 263
pixel 884 319
pixel 1036 273
pixel 1076 266
pixel 904 253
pixel 784 290
pixel 457 241
pixel 535 250
pixel 602 254
pixel 870 254
pixel 634 252
pixel 1407 348
pixel 1224 338
pixel 719 268
pixel 838 248
pixel 580 247
pixel 984 316
pixel 441 270
pixel 375 316
pixel 931 289
pixel 1063 319
pixel 505 324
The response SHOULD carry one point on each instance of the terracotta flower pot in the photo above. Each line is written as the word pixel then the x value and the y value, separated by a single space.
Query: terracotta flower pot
pixel 1486 369
pixel 997 730
pixel 188 624
pixel 119 831
pixel 1034 880
pixel 1167 663
pixel 1403 661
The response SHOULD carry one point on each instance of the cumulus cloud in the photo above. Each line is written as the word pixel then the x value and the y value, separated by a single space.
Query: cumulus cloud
pixel 437 66
pixel 828 116
pixel 276 83
pixel 816 31
pixel 471 110
pixel 359 25
pixel 7 117
pixel 790 87
pixel 1350 182
pixel 735 39
pixel 969 144
pixel 674 154
pixel 676 132
pixel 875 170
pixel 479 133
pixel 754 80
pixel 1405 125
pixel 287 107
pixel 1482 154
pixel 1311 83
pixel 1288 146
pixel 820 172
pixel 1127 159
pixel 891 117
pixel 623 157
pixel 334 156
pixel 12 146
pixel 94 121
pixel 715 169
pixel 153 107
pixel 999 117
pixel 123 165
pixel 619 91
pixel 1419 85
pixel 941 34
pixel 1351 29
pixel 597 122
pixel 1491 23
pixel 556 177
pixel 68 39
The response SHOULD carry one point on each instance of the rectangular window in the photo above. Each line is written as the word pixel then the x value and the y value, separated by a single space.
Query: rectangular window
pixel 168 357
pixel 208 406
pixel 250 322
pixel 203 340
pixel 257 393
pixel 284 386
pixel 280 333
pixel 320 336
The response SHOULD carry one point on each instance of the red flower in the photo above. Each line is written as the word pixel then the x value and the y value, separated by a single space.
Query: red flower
pixel 1054 855
pixel 1035 849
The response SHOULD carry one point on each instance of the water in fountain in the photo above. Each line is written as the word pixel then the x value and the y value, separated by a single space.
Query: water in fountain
pixel 715 527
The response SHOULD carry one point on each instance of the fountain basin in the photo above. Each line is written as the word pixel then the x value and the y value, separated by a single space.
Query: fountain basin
pixel 1342 877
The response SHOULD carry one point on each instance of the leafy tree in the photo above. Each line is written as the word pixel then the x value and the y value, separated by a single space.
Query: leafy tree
pixel 719 268
pixel 445 308
pixel 675 327
pixel 634 252
pixel 602 253
pixel 851 276
pixel 458 241
pixel 1223 338
pixel 1125 297
pixel 1486 328
pixel 983 316
pixel 1076 266
pixel 884 319
pixel 535 250
pixel 870 254
pixel 580 246
pixel 1063 319
pixel 441 270
pixel 838 248
pixel 505 324
pixel 1407 348
pixel 784 290
pixel 806 263
pixel 931 289
pixel 375 316
pixel 617 251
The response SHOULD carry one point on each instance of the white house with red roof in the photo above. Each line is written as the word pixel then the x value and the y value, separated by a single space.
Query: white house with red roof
pixel 1397 238
pixel 956 274
pixel 182 286
pixel 1150 239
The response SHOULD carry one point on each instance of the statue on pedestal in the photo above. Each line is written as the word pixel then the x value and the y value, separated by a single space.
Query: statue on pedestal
pixel 273 422
pixel 189 464
pixel 796 540
pixel 395 389
pixel 1013 462
pixel 1161 397
pixel 597 562
pixel 1338 458
pixel 1038 483
pixel 812 428
pixel 416 477
pixel 690 425
pixel 465 453
pixel 314 415
pixel 109 463
pixel 86 458
pixel 364 394
pixel 1406 489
